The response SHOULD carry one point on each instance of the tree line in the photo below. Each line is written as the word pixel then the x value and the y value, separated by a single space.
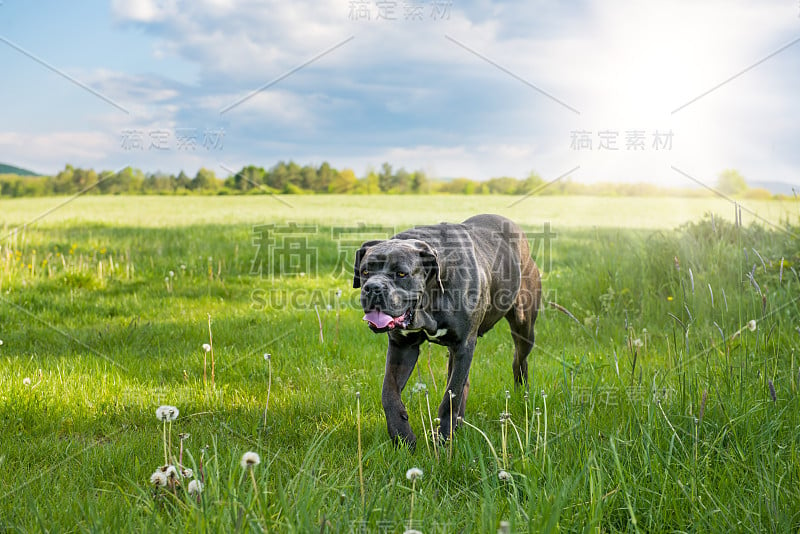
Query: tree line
pixel 292 178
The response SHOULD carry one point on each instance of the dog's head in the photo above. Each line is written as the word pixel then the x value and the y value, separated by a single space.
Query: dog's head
pixel 395 275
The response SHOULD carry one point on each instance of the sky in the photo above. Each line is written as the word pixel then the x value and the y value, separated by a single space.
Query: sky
pixel 663 92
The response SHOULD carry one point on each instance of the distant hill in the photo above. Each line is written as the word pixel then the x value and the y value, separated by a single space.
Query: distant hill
pixel 10 169
pixel 776 188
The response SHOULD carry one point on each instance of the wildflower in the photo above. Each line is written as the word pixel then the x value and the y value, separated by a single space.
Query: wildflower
pixel 419 387
pixel 250 459
pixel 669 298
pixel 206 347
pixel 1 342
pixel 637 342
pixel 414 473
pixel 195 487
pixel 167 413
pixel 172 274
pixel 751 325
pixel 158 479
pixel 26 381
pixel 187 473
pixel 267 356
pixel 171 472
pixel 504 476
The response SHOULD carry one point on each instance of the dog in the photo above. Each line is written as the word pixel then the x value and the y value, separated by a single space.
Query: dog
pixel 447 284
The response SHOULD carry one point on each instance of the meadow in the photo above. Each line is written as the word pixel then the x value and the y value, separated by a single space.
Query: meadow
pixel 663 393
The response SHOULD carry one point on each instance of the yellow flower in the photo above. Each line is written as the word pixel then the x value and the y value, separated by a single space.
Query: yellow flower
pixel 669 298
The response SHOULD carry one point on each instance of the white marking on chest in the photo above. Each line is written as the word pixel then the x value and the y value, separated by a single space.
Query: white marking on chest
pixel 439 333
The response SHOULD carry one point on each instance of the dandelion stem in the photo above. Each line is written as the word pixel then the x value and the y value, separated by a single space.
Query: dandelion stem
pixel 319 321
pixel 424 430
pixel 411 513
pixel 430 420
pixel 166 459
pixel 255 486
pixel 169 434
pixel 488 441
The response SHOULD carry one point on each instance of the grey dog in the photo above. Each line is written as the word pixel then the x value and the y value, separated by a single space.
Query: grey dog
pixel 447 284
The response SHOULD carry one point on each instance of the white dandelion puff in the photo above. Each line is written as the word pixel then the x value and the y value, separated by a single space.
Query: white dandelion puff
pixel 158 479
pixel 751 325
pixel 195 487
pixel 1 342
pixel 250 459
pixel 187 473
pixel 206 347
pixel 167 413
pixel 414 473
pixel 172 274
pixel 171 473
pixel 26 381
pixel 504 476
pixel 267 356
pixel 637 343
pixel 338 293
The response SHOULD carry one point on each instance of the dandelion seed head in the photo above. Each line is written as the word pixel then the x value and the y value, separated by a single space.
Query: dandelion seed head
pixel 414 473
pixel 267 356
pixel 171 472
pixel 751 325
pixel 195 487
pixel 637 343
pixel 187 473
pixel 338 293
pixel 183 435
pixel 419 387
pixel 452 395
pixel 158 479
pixel 26 381
pixel 1 342
pixel 206 347
pixel 172 274
pixel 504 476
pixel 508 395
pixel 328 307
pixel 167 413
pixel 250 459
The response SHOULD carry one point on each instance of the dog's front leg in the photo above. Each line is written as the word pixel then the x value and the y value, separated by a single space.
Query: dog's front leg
pixel 460 361
pixel 400 362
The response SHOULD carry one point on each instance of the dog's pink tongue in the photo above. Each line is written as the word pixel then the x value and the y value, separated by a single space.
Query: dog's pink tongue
pixel 378 319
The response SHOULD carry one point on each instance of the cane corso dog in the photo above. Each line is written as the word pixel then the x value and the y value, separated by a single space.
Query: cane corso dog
pixel 447 284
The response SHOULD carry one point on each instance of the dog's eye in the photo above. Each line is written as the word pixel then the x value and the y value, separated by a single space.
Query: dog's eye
pixel 401 274
pixel 365 272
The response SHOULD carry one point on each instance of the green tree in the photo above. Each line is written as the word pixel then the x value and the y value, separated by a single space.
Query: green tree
pixel 731 182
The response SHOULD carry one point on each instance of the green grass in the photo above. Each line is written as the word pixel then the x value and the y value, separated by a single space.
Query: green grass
pixel 91 315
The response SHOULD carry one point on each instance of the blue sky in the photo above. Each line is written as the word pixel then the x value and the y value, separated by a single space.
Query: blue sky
pixel 457 88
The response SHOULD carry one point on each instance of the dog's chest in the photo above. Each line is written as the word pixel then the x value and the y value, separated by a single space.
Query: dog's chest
pixel 441 332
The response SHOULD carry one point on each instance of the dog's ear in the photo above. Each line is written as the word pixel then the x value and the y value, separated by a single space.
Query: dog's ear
pixel 359 257
pixel 430 259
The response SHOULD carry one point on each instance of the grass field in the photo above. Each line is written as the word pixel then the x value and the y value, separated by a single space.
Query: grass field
pixel 667 401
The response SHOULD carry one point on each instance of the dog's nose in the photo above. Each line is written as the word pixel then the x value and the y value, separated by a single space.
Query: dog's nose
pixel 370 288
